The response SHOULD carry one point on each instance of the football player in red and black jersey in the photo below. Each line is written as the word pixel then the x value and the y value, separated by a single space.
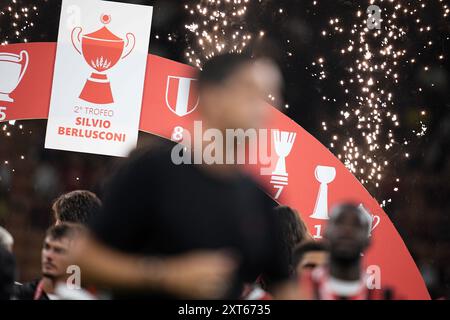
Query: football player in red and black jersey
pixel 343 277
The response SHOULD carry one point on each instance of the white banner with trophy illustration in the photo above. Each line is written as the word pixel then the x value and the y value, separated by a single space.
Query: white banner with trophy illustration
pixel 98 81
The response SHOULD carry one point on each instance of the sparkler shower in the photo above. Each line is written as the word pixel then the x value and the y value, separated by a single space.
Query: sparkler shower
pixel 375 61
pixel 17 21
pixel 217 26
pixel 19 17
pixel 378 60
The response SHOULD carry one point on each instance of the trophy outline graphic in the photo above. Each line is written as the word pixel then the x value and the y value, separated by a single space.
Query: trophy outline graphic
pixel 283 143
pixel 324 175
pixel 101 50
pixel 183 91
pixel 11 66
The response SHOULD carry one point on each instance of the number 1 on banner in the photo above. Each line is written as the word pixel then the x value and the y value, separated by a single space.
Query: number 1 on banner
pixel 318 234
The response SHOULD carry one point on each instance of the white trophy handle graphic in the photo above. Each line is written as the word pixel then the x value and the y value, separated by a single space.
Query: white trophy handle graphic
pixel 375 224
pixel 284 141
pixel 324 175
pixel 76 39
pixel 23 57
pixel 131 42
pixel 374 220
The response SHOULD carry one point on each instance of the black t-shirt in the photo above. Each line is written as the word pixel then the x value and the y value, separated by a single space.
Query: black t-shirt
pixel 27 291
pixel 156 208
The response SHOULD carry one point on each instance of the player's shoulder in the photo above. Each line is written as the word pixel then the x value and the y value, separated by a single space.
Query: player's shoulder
pixel 153 152
pixel 151 158
pixel 143 163
pixel 247 180
pixel 26 290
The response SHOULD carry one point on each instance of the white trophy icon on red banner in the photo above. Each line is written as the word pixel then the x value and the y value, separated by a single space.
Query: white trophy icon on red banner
pixel 283 141
pixel 325 175
pixel 101 50
pixel 12 70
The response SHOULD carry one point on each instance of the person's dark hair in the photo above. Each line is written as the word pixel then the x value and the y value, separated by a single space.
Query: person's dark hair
pixel 305 247
pixel 7 274
pixel 60 231
pixel 218 69
pixel 76 206
pixel 293 230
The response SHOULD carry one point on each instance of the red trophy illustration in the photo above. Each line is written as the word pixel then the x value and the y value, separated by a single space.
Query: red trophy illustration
pixel 101 50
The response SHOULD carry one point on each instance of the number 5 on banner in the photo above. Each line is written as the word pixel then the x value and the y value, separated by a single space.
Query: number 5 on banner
pixel 2 113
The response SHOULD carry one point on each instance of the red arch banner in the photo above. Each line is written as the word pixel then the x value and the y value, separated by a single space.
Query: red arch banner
pixel 307 176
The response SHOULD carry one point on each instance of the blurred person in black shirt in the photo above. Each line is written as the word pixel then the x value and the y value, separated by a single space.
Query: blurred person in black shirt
pixel 191 231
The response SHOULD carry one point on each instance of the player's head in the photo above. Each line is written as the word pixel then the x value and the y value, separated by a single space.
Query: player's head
pixel 309 255
pixel 292 230
pixel 75 207
pixel 347 232
pixel 232 90
pixel 55 251
pixel 6 239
